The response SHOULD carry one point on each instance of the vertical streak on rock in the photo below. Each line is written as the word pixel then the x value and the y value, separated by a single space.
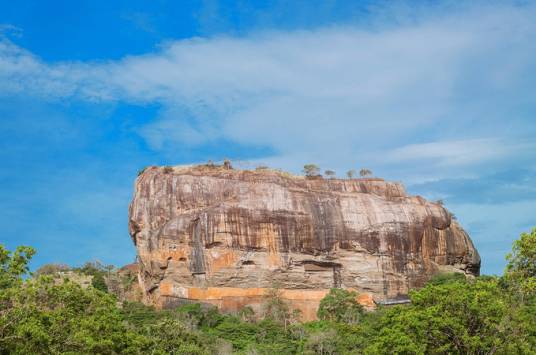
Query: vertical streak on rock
pixel 197 258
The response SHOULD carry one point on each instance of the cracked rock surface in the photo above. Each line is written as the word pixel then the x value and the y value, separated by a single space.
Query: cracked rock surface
pixel 225 236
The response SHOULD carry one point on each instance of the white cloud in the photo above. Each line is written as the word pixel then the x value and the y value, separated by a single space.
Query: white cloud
pixel 441 87
pixel 459 152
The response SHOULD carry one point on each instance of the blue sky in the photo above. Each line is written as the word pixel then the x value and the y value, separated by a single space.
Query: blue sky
pixel 438 95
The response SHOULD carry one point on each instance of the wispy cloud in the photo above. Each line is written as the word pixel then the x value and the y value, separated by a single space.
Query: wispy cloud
pixel 449 82
pixel 461 152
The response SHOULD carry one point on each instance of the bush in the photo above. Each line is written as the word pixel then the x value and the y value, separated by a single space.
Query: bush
pixel 462 317
pixel 98 273
pixel 522 259
pixel 340 305
pixel 52 269
pixel 172 337
pixel 275 308
pixel 444 278
pixel 14 266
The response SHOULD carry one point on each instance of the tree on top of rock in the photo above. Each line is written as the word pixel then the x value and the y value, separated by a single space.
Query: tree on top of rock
pixel 330 173
pixel 365 172
pixel 311 170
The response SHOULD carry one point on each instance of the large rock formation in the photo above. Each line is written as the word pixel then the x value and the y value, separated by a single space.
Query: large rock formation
pixel 225 236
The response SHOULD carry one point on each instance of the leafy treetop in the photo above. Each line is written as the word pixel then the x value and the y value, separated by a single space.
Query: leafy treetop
pixel 330 173
pixel 365 172
pixel 311 170
pixel 340 305
pixel 13 267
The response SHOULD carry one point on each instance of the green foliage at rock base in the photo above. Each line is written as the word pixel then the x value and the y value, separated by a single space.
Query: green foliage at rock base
pixel 450 315
pixel 340 305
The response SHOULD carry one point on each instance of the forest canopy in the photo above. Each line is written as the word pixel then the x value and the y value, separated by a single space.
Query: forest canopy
pixel 41 313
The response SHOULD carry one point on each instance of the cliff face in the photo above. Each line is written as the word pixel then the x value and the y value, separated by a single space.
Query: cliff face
pixel 225 236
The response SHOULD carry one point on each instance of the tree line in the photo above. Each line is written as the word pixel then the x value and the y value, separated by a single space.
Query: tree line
pixel 451 314
pixel 313 170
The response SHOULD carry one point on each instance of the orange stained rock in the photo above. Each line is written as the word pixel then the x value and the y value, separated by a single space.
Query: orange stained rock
pixel 234 298
pixel 274 259
pixel 366 300
pixel 222 259
pixel 198 293
pixel 166 289
pixel 221 292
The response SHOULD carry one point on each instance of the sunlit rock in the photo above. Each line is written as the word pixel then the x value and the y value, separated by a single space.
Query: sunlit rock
pixel 225 236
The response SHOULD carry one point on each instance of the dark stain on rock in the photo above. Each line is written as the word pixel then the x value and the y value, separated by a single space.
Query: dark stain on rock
pixel 197 259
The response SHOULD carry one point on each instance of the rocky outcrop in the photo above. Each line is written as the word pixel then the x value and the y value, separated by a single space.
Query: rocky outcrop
pixel 225 236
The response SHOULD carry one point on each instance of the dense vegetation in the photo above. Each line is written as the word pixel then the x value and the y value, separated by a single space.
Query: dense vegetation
pixel 44 314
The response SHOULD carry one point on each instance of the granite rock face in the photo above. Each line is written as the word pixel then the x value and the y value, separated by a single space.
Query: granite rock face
pixel 224 237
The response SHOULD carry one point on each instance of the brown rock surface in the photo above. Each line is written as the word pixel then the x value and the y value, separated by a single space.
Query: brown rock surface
pixel 224 236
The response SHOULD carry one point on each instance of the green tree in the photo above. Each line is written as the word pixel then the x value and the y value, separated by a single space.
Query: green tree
pixel 365 172
pixel 246 314
pixel 170 336
pixel 52 269
pixel 99 283
pixel 350 174
pixel 461 317
pixel 311 170
pixel 37 315
pixel 444 278
pixel 322 343
pixel 340 305
pixel 14 266
pixel 139 315
pixel 330 174
pixel 521 267
pixel 275 308
pixel 98 272
pixel 41 316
